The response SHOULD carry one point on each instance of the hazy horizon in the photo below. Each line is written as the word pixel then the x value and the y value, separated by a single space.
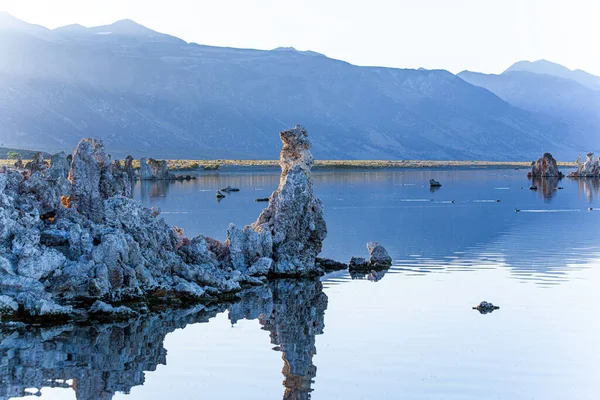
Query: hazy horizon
pixel 463 35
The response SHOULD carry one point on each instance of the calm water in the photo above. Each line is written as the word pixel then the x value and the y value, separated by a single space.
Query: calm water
pixel 408 333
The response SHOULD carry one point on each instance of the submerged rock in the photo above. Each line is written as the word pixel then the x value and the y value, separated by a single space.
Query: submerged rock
pixel 294 216
pixel 589 169
pixel 434 184
pixel 484 307
pixel 545 167
pixel 230 189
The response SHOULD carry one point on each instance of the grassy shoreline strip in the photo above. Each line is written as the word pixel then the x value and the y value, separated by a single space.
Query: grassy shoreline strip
pixel 189 165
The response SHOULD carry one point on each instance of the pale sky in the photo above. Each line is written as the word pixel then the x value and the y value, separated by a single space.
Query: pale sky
pixel 479 35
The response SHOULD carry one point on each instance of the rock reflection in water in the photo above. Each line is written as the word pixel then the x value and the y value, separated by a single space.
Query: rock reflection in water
pixel 547 186
pixel 99 360
pixel 589 186
pixel 154 189
pixel 293 312
pixel 373 276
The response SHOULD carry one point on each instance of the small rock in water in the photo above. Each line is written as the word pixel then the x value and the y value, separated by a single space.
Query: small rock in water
pixel 484 307
pixel 261 199
pixel 220 194
pixel 229 189
pixel 434 183
pixel 378 256
pixel 533 187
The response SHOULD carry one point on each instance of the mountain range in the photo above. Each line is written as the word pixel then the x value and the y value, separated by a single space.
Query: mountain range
pixel 148 93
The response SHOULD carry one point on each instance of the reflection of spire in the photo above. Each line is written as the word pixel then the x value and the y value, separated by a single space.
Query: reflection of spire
pixel 297 316
pixel 293 312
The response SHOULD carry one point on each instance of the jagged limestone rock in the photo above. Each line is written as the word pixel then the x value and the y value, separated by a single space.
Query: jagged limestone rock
pixel 294 216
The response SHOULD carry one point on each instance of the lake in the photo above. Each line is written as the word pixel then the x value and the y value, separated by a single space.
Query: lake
pixel 409 332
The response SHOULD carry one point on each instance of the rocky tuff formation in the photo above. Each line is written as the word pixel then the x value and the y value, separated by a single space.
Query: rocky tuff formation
pixel 379 259
pixel 545 167
pixel 589 169
pixel 294 216
pixel 65 244
pixel 37 164
pixel 378 256
pixel 152 170
pixel 131 175
pixel 70 248
pixel 59 166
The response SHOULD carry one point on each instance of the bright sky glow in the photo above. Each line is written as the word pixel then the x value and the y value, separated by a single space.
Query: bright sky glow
pixel 479 35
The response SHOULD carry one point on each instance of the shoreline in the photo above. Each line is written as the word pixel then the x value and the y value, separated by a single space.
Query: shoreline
pixel 214 165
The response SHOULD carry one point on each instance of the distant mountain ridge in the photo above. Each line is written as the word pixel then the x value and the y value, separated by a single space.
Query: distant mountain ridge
pixel 551 90
pixel 550 68
pixel 148 93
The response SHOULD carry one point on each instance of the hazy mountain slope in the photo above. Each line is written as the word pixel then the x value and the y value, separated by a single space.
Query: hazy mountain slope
pixel 550 68
pixel 576 105
pixel 148 93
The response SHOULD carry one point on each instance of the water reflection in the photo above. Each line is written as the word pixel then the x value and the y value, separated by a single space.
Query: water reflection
pixel 590 187
pixel 373 276
pixel 154 189
pixel 293 313
pixel 99 360
pixel 547 186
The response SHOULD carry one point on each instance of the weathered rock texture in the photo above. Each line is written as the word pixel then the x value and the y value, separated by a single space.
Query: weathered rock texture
pixel 294 216
pixel 589 169
pixel 378 256
pixel 66 243
pixel 379 259
pixel 59 166
pixel 545 167
pixel 70 248
pixel 152 170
